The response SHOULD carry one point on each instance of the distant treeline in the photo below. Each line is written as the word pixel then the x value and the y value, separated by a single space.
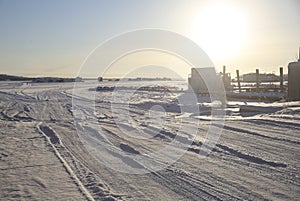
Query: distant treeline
pixel 4 77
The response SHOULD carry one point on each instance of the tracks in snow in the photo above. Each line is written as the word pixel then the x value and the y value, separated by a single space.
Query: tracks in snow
pixel 53 139
pixel 244 131
pixel 83 177
pixel 240 169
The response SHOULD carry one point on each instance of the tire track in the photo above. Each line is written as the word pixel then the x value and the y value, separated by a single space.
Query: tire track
pixel 53 139
pixel 240 130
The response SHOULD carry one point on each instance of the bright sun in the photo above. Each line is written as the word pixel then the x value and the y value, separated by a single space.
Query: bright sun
pixel 220 30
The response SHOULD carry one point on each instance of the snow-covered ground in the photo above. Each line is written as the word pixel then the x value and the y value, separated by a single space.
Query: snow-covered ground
pixel 51 150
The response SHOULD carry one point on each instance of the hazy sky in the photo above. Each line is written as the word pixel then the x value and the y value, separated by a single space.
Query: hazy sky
pixel 54 37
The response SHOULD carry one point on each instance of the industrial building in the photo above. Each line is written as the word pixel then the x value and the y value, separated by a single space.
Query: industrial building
pixel 251 77
pixel 294 80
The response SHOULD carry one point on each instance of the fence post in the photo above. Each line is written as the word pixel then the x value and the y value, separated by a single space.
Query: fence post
pixel 224 74
pixel 257 80
pixel 281 78
pixel 238 80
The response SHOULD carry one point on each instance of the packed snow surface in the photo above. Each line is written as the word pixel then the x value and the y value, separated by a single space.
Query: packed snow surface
pixel 44 153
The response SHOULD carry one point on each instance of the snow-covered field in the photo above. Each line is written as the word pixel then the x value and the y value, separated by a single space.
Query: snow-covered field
pixel 51 150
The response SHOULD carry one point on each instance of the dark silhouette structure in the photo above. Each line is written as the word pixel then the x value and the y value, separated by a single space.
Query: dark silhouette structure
pixel 294 80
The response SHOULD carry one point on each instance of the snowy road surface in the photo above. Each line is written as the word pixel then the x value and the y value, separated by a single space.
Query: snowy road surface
pixel 43 158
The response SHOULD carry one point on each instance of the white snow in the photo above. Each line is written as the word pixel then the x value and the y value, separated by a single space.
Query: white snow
pixel 44 157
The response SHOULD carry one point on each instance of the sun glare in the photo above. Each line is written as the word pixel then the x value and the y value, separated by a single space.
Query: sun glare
pixel 220 30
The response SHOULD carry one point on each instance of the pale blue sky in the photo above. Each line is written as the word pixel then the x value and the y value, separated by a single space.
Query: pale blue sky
pixel 39 37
